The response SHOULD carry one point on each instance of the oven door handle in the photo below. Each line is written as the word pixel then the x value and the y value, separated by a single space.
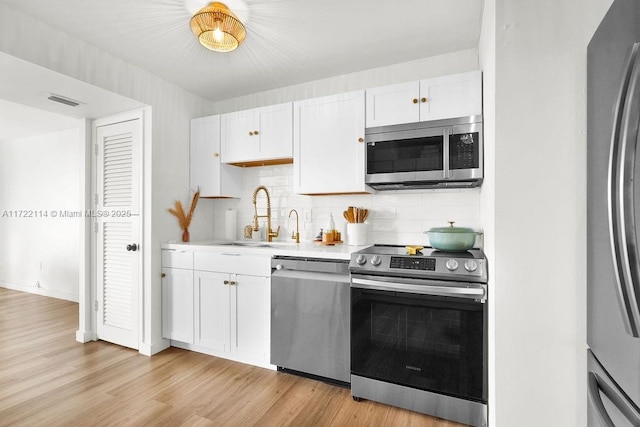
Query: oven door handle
pixel 475 293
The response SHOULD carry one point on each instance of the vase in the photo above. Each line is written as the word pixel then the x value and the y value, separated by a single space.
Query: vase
pixel 185 235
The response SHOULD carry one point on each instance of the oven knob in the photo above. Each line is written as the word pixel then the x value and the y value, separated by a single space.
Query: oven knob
pixel 451 264
pixel 376 260
pixel 471 266
pixel 361 259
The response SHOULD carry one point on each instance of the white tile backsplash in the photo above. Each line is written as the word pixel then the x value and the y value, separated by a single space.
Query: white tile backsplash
pixel 395 217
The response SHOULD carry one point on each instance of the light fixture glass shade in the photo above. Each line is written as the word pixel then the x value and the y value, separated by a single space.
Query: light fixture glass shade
pixel 217 28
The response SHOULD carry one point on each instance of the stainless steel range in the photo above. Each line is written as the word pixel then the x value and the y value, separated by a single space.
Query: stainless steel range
pixel 419 331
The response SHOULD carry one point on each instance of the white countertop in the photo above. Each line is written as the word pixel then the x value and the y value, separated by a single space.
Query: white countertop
pixel 305 249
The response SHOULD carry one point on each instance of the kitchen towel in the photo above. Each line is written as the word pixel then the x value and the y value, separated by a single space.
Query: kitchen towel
pixel 230 224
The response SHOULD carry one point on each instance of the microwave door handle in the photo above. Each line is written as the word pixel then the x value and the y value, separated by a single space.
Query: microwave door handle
pixel 622 225
pixel 446 153
pixel 597 384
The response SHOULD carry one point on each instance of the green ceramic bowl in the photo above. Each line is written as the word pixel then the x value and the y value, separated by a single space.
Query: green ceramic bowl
pixel 452 239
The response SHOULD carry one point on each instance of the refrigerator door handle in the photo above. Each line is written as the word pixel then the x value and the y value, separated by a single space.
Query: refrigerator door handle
pixel 596 400
pixel 598 385
pixel 622 226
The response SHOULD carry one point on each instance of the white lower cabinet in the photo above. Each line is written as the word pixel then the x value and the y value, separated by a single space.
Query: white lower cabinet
pixel 250 329
pixel 177 304
pixel 231 313
pixel 212 310
pixel 218 309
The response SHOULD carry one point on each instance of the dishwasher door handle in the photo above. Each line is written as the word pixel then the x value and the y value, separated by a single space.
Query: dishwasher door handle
pixel 308 275
pixel 475 293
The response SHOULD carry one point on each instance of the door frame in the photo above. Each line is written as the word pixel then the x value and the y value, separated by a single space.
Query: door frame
pixel 87 330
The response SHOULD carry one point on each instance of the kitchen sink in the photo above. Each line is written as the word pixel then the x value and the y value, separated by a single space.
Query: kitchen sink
pixel 256 244
pixel 249 244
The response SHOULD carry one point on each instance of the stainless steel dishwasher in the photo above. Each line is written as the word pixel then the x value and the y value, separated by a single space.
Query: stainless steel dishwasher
pixel 310 329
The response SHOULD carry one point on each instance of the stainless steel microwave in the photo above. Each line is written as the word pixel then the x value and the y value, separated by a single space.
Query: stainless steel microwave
pixel 442 153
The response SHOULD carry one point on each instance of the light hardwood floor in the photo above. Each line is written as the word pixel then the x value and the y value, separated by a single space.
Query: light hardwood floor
pixel 47 378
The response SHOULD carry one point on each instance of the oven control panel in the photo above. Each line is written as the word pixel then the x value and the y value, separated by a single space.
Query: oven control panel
pixel 439 267
pixel 413 263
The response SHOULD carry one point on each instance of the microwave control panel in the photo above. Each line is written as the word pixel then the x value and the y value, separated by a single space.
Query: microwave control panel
pixel 464 151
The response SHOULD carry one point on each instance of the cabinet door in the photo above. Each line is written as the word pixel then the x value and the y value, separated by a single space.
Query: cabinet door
pixel 328 144
pixel 250 316
pixel 457 95
pixel 276 131
pixel 240 142
pixel 394 104
pixel 212 310
pixel 177 304
pixel 206 172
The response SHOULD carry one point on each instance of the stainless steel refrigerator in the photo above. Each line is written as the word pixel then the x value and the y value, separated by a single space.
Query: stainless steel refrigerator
pixel 613 218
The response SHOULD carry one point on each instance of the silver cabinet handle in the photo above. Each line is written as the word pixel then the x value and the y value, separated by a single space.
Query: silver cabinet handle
pixel 620 183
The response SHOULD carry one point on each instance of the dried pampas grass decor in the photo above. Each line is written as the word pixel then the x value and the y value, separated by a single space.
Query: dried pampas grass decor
pixel 185 219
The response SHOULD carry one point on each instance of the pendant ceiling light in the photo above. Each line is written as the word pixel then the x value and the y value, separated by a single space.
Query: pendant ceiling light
pixel 217 28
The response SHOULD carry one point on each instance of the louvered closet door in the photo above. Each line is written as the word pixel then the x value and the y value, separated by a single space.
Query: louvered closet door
pixel 118 230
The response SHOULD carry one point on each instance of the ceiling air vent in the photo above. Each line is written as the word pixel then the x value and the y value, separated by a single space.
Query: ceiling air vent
pixel 63 100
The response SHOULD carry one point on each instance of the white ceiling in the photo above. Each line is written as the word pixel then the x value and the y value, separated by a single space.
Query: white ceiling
pixel 25 110
pixel 288 41
pixel 20 121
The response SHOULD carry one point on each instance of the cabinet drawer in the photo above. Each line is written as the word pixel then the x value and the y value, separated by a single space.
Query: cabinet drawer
pixel 177 259
pixel 254 265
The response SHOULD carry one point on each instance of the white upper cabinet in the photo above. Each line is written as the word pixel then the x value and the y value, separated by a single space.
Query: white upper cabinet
pixel 456 95
pixel 207 173
pixel 329 149
pixel 394 104
pixel 260 135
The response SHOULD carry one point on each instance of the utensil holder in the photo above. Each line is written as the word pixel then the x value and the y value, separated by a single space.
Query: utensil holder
pixel 357 234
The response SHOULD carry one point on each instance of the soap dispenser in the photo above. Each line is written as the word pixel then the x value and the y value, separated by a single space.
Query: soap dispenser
pixel 331 225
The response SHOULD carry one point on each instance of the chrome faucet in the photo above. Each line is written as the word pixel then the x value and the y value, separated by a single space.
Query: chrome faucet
pixel 295 236
pixel 270 234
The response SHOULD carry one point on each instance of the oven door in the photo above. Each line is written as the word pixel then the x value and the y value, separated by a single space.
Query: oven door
pixel 428 335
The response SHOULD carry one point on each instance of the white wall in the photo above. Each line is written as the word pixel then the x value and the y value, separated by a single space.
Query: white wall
pixel 538 277
pixel 487 55
pixel 395 217
pixel 166 158
pixel 40 243
pixel 450 63
pixel 538 285
pixel 166 155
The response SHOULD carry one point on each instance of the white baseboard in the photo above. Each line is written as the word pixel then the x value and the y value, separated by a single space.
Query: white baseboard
pixel 40 291
pixel 255 361
pixel 85 337
pixel 151 349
